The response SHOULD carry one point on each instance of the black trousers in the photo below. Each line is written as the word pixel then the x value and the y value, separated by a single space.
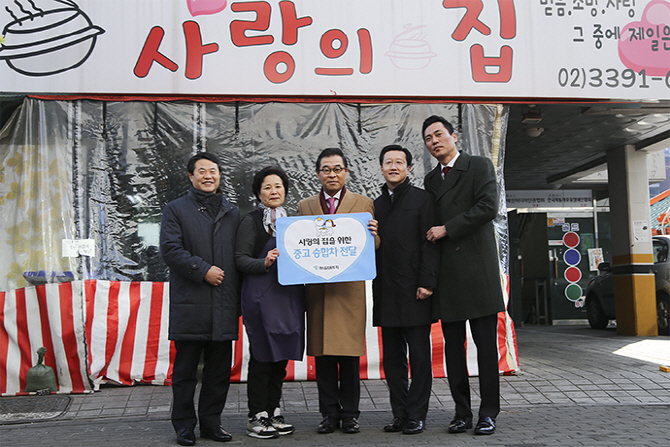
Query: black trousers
pixel 215 383
pixel 484 333
pixel 339 385
pixel 264 385
pixel 408 401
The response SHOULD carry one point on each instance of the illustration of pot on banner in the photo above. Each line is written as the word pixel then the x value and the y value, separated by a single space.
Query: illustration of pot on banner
pixel 27 42
pixel 325 248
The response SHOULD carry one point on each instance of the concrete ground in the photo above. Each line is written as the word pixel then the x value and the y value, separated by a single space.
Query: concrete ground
pixel 576 387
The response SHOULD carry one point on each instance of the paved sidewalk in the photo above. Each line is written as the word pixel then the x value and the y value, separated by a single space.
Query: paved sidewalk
pixel 576 387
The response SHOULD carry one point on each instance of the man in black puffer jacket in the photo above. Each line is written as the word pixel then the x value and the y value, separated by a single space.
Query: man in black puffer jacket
pixel 197 243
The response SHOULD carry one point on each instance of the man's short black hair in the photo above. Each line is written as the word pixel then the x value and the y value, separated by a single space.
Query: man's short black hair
pixel 202 156
pixel 269 170
pixel 395 147
pixel 330 152
pixel 436 119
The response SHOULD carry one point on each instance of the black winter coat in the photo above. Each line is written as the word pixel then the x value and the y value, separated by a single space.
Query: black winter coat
pixel 470 274
pixel 405 258
pixel 191 242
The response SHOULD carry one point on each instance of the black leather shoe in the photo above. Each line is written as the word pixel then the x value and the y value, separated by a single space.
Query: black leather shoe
pixel 413 427
pixel 185 436
pixel 216 434
pixel 459 425
pixel 395 425
pixel 350 425
pixel 485 426
pixel 328 425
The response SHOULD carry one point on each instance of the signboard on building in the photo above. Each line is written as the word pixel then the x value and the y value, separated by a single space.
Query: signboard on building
pixel 478 48
pixel 543 199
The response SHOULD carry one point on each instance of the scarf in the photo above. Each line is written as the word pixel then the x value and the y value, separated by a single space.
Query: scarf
pixel 209 202
pixel 270 216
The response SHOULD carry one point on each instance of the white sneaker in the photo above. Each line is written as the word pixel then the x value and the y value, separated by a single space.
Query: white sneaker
pixel 279 424
pixel 260 426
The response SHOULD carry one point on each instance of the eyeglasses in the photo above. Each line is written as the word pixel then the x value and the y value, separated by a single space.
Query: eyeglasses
pixel 400 163
pixel 327 170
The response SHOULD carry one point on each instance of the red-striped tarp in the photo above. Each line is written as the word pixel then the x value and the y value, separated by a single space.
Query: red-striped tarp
pixel 49 315
pixel 117 331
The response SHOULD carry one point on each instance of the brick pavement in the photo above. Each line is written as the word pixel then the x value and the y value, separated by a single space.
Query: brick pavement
pixel 576 387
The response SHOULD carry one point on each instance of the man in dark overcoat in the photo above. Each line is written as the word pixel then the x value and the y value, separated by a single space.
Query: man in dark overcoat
pixel 469 286
pixel 407 268
pixel 197 242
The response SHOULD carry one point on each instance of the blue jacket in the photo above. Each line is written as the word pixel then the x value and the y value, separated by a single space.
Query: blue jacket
pixel 191 242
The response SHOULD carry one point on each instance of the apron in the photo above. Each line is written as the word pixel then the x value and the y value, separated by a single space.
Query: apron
pixel 274 315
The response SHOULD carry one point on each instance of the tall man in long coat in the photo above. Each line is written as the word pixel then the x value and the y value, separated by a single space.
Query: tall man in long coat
pixel 469 287
pixel 197 242
pixel 407 267
pixel 336 311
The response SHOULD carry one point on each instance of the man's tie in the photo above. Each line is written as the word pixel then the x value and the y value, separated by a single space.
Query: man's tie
pixel 445 170
pixel 331 205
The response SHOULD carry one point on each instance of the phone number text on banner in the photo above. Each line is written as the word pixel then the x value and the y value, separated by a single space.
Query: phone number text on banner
pixel 326 248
